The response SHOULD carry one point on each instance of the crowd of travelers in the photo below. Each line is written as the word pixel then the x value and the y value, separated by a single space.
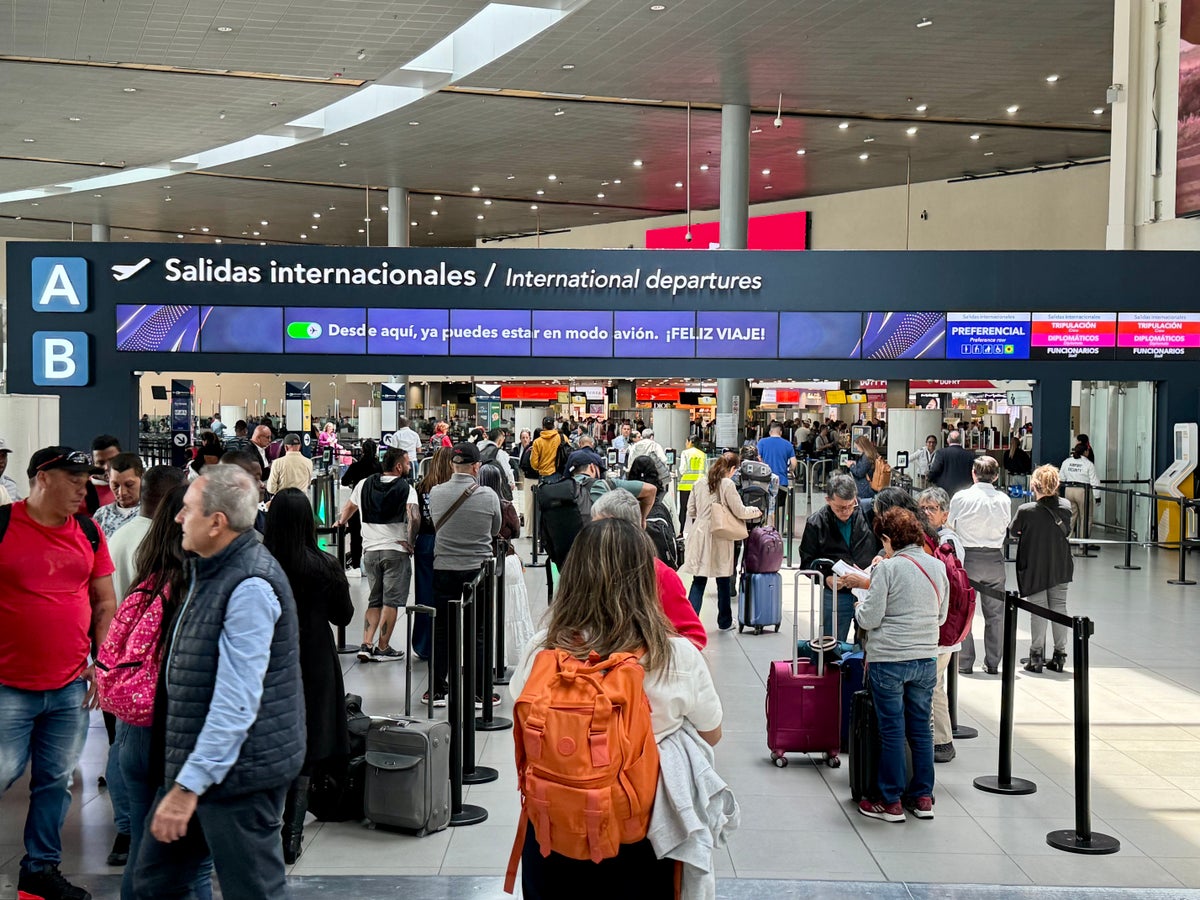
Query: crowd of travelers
pixel 194 606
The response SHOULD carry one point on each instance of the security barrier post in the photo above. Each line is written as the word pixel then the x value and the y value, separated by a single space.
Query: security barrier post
pixel 1003 782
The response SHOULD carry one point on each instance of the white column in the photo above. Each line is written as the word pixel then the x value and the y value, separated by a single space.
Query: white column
pixel 735 177
pixel 397 217
pixel 100 233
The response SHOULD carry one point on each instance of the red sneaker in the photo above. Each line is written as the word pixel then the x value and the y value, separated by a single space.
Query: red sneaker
pixel 877 809
pixel 921 807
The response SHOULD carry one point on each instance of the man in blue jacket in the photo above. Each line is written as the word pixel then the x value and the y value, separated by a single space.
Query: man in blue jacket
pixel 234 734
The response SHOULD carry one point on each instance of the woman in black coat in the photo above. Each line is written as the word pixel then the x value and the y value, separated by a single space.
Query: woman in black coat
pixel 322 599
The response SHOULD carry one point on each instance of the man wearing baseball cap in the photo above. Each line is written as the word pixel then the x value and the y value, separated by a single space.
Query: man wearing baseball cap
pixel 56 602
pixel 466 517
pixel 7 481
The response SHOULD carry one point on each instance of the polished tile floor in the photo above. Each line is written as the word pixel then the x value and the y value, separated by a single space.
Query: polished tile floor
pixel 798 823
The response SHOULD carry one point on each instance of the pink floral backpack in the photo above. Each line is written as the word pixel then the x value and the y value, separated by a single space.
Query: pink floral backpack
pixel 127 664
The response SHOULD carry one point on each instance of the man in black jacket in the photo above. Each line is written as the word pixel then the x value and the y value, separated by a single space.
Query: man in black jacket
pixel 951 466
pixel 838 531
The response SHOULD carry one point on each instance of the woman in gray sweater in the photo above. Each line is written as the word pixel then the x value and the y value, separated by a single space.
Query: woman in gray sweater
pixel 903 610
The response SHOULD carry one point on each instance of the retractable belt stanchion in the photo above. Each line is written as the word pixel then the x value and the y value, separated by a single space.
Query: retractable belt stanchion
pixel 500 671
pixel 1003 782
pixel 958 732
pixel 460 813
pixel 1128 564
pixel 474 596
pixel 790 515
pixel 1183 545
pixel 491 596
pixel 535 533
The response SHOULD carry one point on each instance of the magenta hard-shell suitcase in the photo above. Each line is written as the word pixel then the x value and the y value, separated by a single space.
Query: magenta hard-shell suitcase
pixel 804 698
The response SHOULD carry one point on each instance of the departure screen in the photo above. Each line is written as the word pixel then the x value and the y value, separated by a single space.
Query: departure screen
pixel 823 335
pixel 1158 336
pixel 904 335
pixel 1073 336
pixel 983 335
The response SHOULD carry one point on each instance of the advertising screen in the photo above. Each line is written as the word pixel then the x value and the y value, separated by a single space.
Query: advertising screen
pixel 324 330
pixel 158 328
pixel 1073 336
pixel 1158 336
pixel 983 335
pixel 241 329
pixel 904 335
pixel 821 335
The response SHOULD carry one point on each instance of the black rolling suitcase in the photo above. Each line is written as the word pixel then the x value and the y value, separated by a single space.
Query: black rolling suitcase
pixel 863 746
pixel 335 792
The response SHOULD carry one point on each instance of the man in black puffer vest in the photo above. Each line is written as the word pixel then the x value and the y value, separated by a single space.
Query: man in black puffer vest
pixel 234 731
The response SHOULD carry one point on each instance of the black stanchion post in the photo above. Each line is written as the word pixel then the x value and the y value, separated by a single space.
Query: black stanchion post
pixel 1081 838
pixel 535 526
pixel 500 670
pixel 473 598
pixel 790 516
pixel 492 586
pixel 958 732
pixel 1003 782
pixel 1128 564
pixel 460 813
pixel 1182 577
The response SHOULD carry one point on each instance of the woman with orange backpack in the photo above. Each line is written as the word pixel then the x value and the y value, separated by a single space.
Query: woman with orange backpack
pixel 588 782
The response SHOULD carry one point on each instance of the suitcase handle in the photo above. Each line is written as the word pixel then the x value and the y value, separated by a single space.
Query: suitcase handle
pixel 817 579
pixel 409 612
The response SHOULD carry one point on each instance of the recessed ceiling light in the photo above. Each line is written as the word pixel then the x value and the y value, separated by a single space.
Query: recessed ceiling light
pixel 180 236
pixel 864 156
pixel 129 90
pixel 534 206
pixel 509 177
pixel 637 162
pixel 475 188
pixel 1098 111
pixel 679 184
pixel 868 140
pixel 437 196
pixel 487 202
pixel 224 29
pixel 204 228
pixel 540 192
pixel 600 196
pixel 414 123
pixel 766 171
pixel 166 199
pixel 560 111
pixel 768 187
pixel 990 153
pixel 361 55
pixel 315 227
pixel 35 203
pixel 383 209
pixel 29 140
pixel 912 129
pixel 256 233
pixel 1012 109
pixel 342 164
pixel 975 136
pixel 1052 78
pixel 479 217
pixel 266 165
pixel 922 107
pixel 362 231
pixel 430 233
pixel 414 224
pixel 552 178
pixel 216 240
pixel 843 125
pixel 343 143
pixel 304 237
pixel 568 66
pixel 316 215
pixel 704 167
pixel 221 114
pixel 264 222
pixel 97 196
pixel 74 119
pixel 801 152
pixel 925 22
pixel 657 7
pixel 124 235
pixel 616 181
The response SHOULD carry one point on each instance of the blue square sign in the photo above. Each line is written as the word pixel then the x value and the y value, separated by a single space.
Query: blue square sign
pixel 59 284
pixel 60 358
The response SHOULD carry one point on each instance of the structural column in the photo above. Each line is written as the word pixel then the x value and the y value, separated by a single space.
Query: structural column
pixel 100 233
pixel 897 394
pixel 1051 420
pixel 733 400
pixel 735 178
pixel 397 217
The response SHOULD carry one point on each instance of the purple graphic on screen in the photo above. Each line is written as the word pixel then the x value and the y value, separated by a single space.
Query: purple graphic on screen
pixel 407 332
pixel 324 330
pixel 569 333
pixel 654 334
pixel 822 335
pixel 157 328
pixel 904 335
pixel 490 332
pixel 729 335
pixel 241 329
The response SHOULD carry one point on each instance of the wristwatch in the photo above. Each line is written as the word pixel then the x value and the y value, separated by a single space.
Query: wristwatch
pixel 184 788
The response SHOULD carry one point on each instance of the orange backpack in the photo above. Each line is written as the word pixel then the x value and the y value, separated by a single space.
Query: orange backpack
pixel 881 475
pixel 587 762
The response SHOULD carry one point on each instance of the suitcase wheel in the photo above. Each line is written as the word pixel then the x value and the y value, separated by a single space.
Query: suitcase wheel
pixel 779 759
pixel 741 627
pixel 758 629
pixel 834 762
pixel 777 629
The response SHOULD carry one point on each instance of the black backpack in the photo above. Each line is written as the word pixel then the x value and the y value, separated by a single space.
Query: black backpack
pixel 561 455
pixel 338 785
pixel 90 529
pixel 667 544
pixel 754 488
pixel 487 457
pixel 384 503
pixel 564 507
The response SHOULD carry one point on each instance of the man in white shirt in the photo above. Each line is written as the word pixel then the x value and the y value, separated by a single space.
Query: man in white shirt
pixel 979 515
pixel 404 438
pixel 14 490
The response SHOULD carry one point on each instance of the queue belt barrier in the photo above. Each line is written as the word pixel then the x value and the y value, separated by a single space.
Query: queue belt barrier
pixel 461 709
pixel 490 597
pixel 1081 838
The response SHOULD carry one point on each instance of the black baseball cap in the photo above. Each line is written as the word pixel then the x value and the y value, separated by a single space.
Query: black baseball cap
pixel 580 459
pixel 465 454
pixel 291 440
pixel 64 458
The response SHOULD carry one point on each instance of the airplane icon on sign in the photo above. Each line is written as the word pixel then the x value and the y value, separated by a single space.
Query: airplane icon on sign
pixel 121 273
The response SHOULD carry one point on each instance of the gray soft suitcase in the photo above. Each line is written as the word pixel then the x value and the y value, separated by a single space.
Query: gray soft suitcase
pixel 408 774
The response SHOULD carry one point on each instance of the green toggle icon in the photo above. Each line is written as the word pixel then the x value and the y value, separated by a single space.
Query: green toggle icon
pixel 304 331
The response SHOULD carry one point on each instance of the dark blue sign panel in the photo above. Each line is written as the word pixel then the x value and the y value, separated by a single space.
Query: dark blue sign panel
pixel 241 329
pixel 982 335
pixel 325 330
pixel 408 332
pixel 490 332
pixel 904 335
pixel 823 335
pixel 734 335
pixel 654 334
pixel 158 328
pixel 572 333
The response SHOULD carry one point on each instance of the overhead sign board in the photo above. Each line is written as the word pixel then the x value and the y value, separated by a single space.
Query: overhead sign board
pixel 986 335
pixel 1091 335
pixel 1158 336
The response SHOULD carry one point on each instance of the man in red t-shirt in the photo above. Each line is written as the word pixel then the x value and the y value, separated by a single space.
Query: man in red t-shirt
pixel 56 602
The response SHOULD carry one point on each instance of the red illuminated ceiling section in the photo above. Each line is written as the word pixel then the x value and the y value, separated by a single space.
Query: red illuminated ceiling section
pixel 786 231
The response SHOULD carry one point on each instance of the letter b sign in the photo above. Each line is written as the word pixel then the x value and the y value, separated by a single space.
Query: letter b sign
pixel 60 358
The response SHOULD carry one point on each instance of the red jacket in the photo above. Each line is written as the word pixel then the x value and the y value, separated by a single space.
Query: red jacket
pixel 677 606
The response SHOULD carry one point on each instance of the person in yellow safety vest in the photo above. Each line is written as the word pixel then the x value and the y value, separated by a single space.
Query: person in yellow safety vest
pixel 692 465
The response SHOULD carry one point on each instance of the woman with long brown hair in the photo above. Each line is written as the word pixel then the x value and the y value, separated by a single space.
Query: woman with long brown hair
pixel 421 538
pixel 708 555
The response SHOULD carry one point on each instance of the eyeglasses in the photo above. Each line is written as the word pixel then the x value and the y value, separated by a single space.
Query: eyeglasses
pixel 75 458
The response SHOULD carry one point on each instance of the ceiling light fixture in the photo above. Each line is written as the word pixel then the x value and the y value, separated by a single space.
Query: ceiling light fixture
pixel 221 114
pixel 703 167
pixel 567 67
pixel 475 189
pixel 768 187
pixel 487 202
pixel 479 217
pixel 679 184
pixel 129 90
pixel 204 228
pixel 256 233
pixel 383 209
pixel 552 178
pixel 414 124
pixel 868 140
pixel 224 29
pixel 756 130
pixel 560 112
pixel 266 165
pixel 316 215
pixel 433 212
pixel 166 199
pixel 1052 79
pixel 801 152
pixel 533 206
pixel 29 140
pixel 600 196
pixel 362 54
pixel 216 240
pixel 975 136
pixel 990 153
pixel 342 164
pixel 437 196
pixel 925 22
pixel 766 171
pixel 540 192
pixel 509 177
pixel 842 126
pixel 414 224
pixel 74 119
pixel 638 163
pixel 316 227
pixel 922 107
pixel 179 236
pixel 304 237
pixel 657 7
pixel 1012 109
pixel 264 222
pixel 97 196
pixel 1098 111
pixel 616 181
pixel 911 130
pixel 864 156
pixel 343 143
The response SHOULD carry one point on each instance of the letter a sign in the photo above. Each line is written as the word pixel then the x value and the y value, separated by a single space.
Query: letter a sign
pixel 59 284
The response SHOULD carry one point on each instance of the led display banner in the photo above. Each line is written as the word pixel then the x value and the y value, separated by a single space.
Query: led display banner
pixel 1158 336
pixel 975 335
pixel 822 335
pixel 1089 335
pixel 904 335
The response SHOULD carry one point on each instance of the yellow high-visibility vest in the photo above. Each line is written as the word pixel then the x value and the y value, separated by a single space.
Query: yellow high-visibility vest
pixel 691 467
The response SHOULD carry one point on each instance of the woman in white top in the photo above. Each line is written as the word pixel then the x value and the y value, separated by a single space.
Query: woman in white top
pixel 1076 471
pixel 924 458
pixel 607 602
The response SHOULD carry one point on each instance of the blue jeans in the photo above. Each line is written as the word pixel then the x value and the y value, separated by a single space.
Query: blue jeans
pixel 132 750
pixel 242 835
pixel 845 613
pixel 696 598
pixel 45 730
pixel 116 784
pixel 903 695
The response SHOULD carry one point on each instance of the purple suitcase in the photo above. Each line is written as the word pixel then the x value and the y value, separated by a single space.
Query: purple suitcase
pixel 804 699
pixel 763 551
